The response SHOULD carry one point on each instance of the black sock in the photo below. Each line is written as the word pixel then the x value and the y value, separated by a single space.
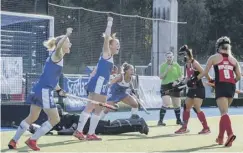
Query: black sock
pixel 162 113
pixel 178 113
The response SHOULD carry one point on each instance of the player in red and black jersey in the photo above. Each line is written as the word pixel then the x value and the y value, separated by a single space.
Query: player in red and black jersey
pixel 225 67
pixel 195 94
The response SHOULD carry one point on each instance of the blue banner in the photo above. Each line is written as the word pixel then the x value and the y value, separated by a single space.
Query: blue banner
pixel 75 86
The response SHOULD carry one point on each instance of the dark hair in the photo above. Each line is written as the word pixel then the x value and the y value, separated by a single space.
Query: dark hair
pixel 115 67
pixel 126 66
pixel 185 49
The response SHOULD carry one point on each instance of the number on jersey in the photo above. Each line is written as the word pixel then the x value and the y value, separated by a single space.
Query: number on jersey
pixel 226 74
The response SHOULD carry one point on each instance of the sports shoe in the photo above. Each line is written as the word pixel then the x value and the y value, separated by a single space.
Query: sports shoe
pixel 12 144
pixel 160 123
pixel 182 130
pixel 79 135
pixel 220 141
pixel 92 137
pixel 230 140
pixel 32 144
pixel 205 131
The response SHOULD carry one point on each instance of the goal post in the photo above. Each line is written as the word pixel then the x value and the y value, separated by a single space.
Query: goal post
pixel 22 52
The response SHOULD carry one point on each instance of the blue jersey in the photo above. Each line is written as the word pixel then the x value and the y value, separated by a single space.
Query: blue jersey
pixel 50 76
pixel 118 91
pixel 98 83
pixel 121 86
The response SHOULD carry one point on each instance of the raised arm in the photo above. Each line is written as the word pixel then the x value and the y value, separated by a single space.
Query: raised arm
pixel 107 36
pixel 59 53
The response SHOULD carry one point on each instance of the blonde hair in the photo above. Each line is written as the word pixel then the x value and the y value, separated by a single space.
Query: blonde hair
pixel 224 42
pixel 51 43
pixel 111 38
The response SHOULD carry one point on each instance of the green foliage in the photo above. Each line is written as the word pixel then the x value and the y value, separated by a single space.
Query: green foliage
pixel 207 20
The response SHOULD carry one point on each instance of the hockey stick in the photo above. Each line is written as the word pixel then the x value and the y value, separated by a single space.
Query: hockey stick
pixel 213 85
pixel 136 97
pixel 93 102
pixel 140 103
pixel 180 87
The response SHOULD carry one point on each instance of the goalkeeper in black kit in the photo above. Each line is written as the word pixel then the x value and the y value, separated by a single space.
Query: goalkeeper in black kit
pixel 69 122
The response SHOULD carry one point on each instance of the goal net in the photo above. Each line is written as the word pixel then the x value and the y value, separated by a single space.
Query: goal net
pixel 22 52
pixel 133 32
pixel 137 34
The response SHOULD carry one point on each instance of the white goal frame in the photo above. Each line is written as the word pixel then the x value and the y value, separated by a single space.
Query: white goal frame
pixel 37 16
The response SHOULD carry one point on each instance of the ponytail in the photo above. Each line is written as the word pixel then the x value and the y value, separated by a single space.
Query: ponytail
pixel 225 44
pixel 125 67
pixel 50 44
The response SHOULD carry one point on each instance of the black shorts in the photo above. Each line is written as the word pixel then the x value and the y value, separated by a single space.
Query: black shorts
pixel 196 93
pixel 224 90
pixel 166 87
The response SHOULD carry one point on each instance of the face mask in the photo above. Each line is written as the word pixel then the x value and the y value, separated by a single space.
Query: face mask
pixel 185 59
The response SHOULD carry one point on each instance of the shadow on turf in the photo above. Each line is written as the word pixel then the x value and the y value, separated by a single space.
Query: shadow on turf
pixel 138 136
pixel 26 148
pixel 152 126
pixel 194 149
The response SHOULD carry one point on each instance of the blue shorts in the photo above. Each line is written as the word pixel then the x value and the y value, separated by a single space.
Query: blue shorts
pixel 116 96
pixel 43 98
pixel 98 86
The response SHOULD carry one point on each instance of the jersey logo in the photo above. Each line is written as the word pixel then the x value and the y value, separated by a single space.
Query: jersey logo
pixel 226 67
pixel 225 62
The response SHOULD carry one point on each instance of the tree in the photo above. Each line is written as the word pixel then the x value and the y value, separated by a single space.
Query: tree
pixel 195 32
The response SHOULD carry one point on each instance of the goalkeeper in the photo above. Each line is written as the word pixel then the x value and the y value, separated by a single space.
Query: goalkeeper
pixel 69 122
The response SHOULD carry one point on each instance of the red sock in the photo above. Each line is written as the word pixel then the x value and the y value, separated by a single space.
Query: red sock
pixel 227 125
pixel 221 128
pixel 186 116
pixel 202 118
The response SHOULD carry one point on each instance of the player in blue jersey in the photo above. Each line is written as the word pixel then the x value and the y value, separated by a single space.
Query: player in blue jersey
pixel 41 96
pixel 119 90
pixel 97 85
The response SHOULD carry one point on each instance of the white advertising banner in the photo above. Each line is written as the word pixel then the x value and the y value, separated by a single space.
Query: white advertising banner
pixel 149 91
pixel 11 75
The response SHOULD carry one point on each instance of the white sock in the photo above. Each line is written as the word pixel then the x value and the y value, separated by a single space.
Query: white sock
pixel 82 121
pixel 93 123
pixel 20 131
pixel 45 127
pixel 102 115
pixel 134 111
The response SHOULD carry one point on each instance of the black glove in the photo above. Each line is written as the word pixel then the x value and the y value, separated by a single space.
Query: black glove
pixel 177 89
pixel 211 81
pixel 192 82
pixel 61 93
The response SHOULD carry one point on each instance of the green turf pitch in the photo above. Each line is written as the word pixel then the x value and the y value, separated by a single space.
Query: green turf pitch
pixel 159 139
